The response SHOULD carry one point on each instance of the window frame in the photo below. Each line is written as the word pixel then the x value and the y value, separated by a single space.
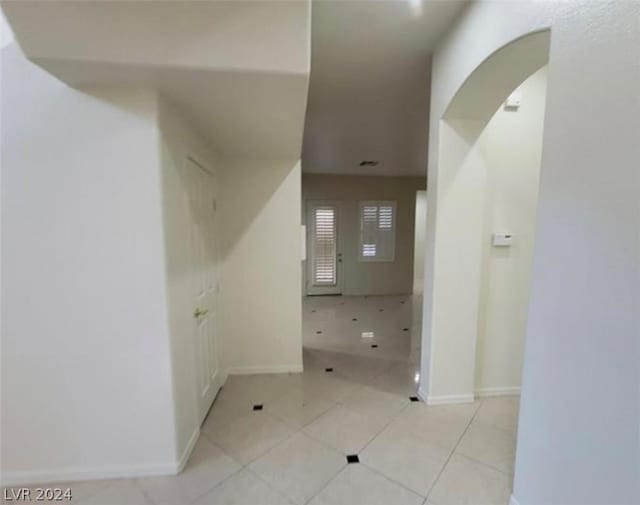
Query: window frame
pixel 390 256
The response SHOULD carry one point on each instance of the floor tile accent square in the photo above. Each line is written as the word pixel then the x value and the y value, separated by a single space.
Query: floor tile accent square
pixel 257 407
pixel 328 369
pixel 414 399
pixel 353 458
pixel 374 346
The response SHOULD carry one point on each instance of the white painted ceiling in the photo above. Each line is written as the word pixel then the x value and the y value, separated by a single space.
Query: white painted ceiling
pixel 370 82
pixel 238 69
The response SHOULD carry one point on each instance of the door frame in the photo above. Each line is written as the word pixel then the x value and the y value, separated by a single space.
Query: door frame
pixel 310 289
pixel 210 297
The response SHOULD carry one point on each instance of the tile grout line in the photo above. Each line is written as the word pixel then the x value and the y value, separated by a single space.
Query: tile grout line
pixel 391 363
pixel 324 444
pixel 246 466
pixel 342 469
pixel 385 427
pixel 435 481
pixel 378 472
pixel 483 463
pixel 259 477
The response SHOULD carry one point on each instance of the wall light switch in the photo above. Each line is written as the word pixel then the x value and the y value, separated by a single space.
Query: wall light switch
pixel 501 240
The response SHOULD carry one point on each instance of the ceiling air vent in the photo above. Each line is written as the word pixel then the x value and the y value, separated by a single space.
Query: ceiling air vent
pixel 369 163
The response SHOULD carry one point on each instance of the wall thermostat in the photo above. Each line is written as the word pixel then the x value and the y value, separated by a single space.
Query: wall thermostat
pixel 501 240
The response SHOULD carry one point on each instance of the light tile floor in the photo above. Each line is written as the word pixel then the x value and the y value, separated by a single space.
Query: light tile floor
pixel 294 450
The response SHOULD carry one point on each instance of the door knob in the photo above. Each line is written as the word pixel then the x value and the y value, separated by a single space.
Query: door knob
pixel 199 312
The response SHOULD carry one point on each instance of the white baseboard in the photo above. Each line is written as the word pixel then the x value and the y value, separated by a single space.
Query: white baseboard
pixel 449 399
pixel 489 392
pixel 513 501
pixel 250 370
pixel 24 478
pixel 111 472
pixel 186 454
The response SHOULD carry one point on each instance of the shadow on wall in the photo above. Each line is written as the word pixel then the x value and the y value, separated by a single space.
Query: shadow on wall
pixel 247 188
pixel 260 296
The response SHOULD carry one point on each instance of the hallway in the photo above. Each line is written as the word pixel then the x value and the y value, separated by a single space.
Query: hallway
pixel 285 438
pixel 366 337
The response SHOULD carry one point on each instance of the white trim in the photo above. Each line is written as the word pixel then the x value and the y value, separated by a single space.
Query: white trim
pixel 447 399
pixel 110 472
pixel 186 454
pixel 217 381
pixel 513 501
pixel 422 394
pixel 249 370
pixel 489 392
pixel 73 474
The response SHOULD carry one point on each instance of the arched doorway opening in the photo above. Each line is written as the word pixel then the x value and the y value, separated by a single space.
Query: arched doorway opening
pixel 476 285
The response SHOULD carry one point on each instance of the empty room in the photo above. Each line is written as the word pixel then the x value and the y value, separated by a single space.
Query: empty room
pixel 320 252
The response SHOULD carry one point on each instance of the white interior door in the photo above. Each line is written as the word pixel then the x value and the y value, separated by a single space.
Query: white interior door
pixel 324 265
pixel 205 286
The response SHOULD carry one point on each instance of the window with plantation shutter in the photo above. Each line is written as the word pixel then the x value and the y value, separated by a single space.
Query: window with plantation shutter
pixel 324 246
pixel 377 231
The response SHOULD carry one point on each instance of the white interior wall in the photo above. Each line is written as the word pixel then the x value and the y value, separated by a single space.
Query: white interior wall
pixel 96 140
pixel 419 241
pixel 86 375
pixel 578 437
pixel 179 141
pixel 512 146
pixel 260 283
pixel 456 279
pixel 260 36
pixel 105 189
pixel 362 277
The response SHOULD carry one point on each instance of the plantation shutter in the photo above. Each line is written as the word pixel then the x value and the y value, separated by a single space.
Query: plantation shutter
pixel 324 246
pixel 377 231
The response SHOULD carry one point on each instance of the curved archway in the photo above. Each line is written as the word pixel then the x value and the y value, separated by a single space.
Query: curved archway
pixel 452 291
pixel 581 331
